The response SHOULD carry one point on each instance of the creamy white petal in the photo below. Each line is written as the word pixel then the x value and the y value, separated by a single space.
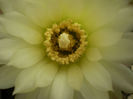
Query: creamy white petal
pixel 75 77
pixel 31 95
pixel 60 88
pixel 90 92
pixel 78 95
pixel 6 5
pixel 97 13
pixel 122 51
pixel 128 35
pixel 105 37
pixel 25 82
pixel 93 54
pixel 97 75
pixel 26 57
pixel 2 29
pixel 101 12
pixel 18 25
pixel 8 47
pixel 121 75
pixel 44 93
pixel 39 11
pixel 40 75
pixel 8 76
pixel 4 35
pixel 123 21
pixel 45 74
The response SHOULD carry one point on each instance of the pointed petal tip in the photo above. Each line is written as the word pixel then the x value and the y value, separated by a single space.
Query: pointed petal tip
pixel 14 92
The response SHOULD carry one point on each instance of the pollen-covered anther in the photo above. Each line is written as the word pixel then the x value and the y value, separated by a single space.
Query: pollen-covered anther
pixel 65 42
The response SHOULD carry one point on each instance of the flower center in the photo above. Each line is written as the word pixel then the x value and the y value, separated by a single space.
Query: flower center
pixel 65 42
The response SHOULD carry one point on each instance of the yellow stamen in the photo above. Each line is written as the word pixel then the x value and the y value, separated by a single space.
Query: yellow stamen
pixel 65 42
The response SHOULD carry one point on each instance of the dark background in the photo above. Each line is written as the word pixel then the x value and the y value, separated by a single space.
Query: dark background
pixel 6 94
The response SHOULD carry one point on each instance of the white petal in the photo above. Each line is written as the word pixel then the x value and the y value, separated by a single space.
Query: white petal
pixel 45 74
pixel 121 75
pixel 2 29
pixel 31 95
pixel 122 51
pixel 18 25
pixel 40 12
pixel 93 54
pixel 26 57
pixel 60 89
pixel 8 76
pixel 78 95
pixel 44 93
pixel 101 12
pixel 75 77
pixel 97 76
pixel 123 21
pixel 40 75
pixel 128 35
pixel 6 5
pixel 25 81
pixel 105 37
pixel 90 92
pixel 8 47
pixel 4 35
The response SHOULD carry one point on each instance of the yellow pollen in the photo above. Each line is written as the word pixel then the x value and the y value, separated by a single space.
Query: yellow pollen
pixel 64 41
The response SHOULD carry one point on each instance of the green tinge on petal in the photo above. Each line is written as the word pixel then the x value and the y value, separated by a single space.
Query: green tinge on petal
pixel 75 77
pixel 26 57
pixel 121 75
pixel 97 76
pixel 93 54
pixel 8 76
pixel 41 75
pixel 60 88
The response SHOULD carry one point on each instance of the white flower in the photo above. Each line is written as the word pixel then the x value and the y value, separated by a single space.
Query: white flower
pixel 66 49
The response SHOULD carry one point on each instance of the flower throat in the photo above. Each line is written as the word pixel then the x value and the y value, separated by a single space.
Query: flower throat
pixel 65 42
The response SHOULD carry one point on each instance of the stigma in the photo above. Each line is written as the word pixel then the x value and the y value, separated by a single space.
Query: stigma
pixel 64 41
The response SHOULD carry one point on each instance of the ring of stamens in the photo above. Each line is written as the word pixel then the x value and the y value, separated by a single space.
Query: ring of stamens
pixel 65 42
